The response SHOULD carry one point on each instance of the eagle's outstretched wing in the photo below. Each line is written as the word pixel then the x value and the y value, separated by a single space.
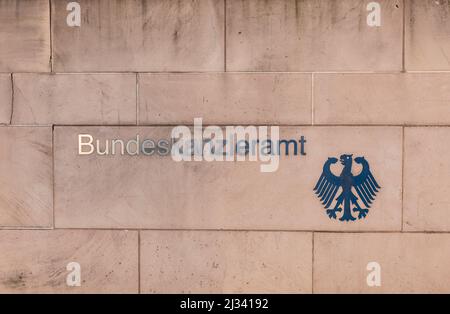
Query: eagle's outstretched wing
pixel 328 184
pixel 364 183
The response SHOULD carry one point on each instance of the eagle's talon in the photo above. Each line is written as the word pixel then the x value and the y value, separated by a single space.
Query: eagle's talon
pixel 331 213
pixel 362 213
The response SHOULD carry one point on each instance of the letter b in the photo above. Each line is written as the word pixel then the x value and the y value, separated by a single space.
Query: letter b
pixel 81 144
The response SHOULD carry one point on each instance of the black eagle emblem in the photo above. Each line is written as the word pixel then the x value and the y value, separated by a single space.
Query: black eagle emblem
pixel 329 184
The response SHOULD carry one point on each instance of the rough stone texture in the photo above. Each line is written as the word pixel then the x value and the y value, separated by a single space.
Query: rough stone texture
pixel 246 98
pixel 26 177
pixel 94 191
pixel 161 35
pixel 24 36
pixel 311 35
pixel 416 263
pixel 426 180
pixel 226 262
pixel 419 98
pixel 5 98
pixel 36 261
pixel 427 35
pixel 74 99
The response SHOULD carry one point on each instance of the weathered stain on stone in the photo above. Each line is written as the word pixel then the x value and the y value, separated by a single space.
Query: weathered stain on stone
pixel 16 281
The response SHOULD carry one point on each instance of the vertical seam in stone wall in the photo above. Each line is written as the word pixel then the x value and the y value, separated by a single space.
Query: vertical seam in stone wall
pixel 139 261
pixel 51 37
pixel 224 35
pixel 403 36
pixel 53 177
pixel 12 99
pixel 312 263
pixel 312 98
pixel 403 174
pixel 137 98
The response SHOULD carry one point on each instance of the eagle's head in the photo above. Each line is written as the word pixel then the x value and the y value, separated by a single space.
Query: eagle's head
pixel 346 160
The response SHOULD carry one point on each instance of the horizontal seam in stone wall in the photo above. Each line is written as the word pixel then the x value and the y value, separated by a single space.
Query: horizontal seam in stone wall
pixel 231 124
pixel 240 124
pixel 26 228
pixel 223 230
pixel 235 72
pixel 259 230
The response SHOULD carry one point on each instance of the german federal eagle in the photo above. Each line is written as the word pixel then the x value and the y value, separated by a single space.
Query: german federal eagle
pixel 364 184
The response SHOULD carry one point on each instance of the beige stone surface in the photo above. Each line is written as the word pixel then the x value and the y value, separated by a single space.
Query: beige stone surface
pixel 136 35
pixel 426 180
pixel 427 35
pixel 248 98
pixel 415 263
pixel 293 35
pixel 5 98
pixel 24 36
pixel 412 98
pixel 157 192
pixel 36 261
pixel 74 99
pixel 26 177
pixel 225 262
